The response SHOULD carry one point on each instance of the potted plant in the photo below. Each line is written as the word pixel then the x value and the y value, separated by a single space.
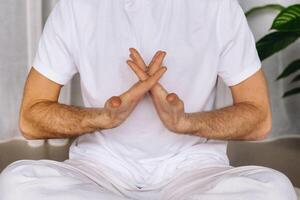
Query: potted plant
pixel 285 30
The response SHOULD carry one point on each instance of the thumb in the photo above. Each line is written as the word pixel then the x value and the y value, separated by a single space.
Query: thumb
pixel 172 98
pixel 176 103
pixel 114 102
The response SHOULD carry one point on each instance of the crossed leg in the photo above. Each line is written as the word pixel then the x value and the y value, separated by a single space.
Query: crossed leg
pixel 228 183
pixel 50 180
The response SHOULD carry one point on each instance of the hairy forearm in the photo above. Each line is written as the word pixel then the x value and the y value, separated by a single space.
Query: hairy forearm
pixel 242 121
pixel 45 120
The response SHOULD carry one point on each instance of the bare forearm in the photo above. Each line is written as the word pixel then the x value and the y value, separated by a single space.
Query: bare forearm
pixel 242 121
pixel 48 119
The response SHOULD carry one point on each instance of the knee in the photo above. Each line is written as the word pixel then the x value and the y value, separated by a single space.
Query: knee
pixel 278 185
pixel 12 177
pixel 16 168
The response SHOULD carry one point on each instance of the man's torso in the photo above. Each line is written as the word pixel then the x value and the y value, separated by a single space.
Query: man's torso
pixel 186 30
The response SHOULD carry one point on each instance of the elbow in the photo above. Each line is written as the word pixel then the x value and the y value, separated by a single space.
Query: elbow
pixel 25 130
pixel 265 125
pixel 264 130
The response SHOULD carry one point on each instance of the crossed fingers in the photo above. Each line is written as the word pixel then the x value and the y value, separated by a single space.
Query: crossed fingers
pixel 138 65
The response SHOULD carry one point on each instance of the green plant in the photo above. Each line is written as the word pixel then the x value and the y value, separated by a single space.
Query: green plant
pixel 285 31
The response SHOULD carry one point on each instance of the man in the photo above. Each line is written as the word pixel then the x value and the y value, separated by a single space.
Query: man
pixel 145 133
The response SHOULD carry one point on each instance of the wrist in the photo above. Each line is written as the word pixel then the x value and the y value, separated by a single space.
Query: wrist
pixel 191 123
pixel 184 124
pixel 97 119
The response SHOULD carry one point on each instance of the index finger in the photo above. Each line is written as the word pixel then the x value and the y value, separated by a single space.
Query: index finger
pixel 142 75
pixel 156 62
pixel 142 87
pixel 137 58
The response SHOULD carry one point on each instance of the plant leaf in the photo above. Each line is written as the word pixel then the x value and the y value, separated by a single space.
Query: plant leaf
pixel 291 68
pixel 297 78
pixel 274 42
pixel 288 19
pixel 292 92
pixel 269 6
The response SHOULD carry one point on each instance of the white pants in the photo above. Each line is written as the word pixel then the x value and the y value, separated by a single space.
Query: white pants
pixel 72 180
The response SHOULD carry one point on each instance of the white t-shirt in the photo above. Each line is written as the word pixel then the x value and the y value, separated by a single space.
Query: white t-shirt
pixel 203 39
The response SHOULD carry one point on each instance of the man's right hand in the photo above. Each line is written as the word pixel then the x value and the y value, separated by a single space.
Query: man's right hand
pixel 118 108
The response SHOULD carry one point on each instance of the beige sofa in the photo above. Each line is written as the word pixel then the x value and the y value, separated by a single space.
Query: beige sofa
pixel 281 154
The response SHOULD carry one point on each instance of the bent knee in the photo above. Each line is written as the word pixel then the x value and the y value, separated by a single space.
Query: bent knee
pixel 17 179
pixel 19 168
pixel 278 185
pixel 16 170
pixel 10 178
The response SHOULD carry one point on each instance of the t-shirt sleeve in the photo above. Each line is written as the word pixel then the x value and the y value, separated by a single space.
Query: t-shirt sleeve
pixel 238 55
pixel 55 55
